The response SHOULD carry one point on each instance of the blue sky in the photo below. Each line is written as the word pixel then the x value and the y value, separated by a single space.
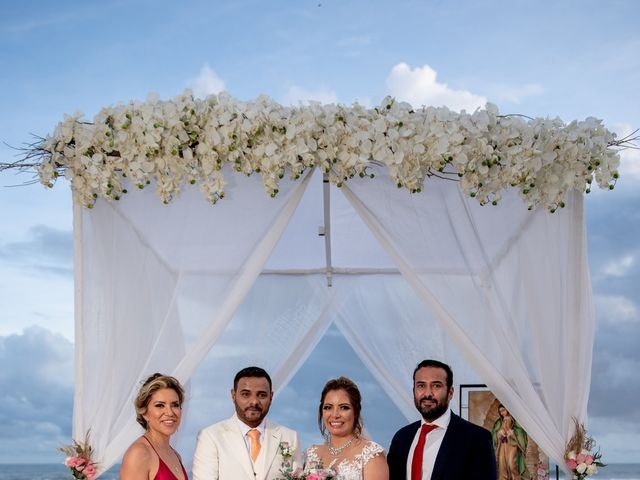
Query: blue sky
pixel 547 58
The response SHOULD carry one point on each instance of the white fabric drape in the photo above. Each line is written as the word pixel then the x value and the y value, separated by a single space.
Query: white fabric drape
pixel 380 304
pixel 500 293
pixel 277 326
pixel 137 260
pixel 508 286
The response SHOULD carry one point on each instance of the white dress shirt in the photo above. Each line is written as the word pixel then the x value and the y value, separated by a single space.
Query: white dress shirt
pixel 244 428
pixel 431 445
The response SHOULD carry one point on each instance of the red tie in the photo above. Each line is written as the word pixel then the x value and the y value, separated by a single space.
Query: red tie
pixel 416 463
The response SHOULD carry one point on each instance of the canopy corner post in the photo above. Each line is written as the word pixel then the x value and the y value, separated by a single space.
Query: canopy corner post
pixel 326 229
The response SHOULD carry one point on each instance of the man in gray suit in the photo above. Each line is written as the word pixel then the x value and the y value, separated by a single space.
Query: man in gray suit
pixel 245 446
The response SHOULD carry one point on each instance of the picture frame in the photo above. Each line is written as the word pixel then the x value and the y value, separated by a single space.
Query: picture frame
pixel 516 452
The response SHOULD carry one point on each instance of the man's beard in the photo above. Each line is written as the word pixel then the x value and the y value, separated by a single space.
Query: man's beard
pixel 432 411
pixel 250 411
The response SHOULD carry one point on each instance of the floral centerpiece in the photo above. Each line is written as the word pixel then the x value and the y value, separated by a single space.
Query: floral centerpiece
pixel 288 472
pixel 579 455
pixel 190 141
pixel 79 459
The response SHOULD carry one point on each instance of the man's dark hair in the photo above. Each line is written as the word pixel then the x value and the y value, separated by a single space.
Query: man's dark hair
pixel 251 372
pixel 436 364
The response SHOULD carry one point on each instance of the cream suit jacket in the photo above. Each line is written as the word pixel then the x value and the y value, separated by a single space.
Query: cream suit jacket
pixel 221 452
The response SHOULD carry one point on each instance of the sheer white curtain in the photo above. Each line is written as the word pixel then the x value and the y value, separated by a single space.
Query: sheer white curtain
pixel 278 325
pixel 135 261
pixel 510 287
pixel 500 293
pixel 391 331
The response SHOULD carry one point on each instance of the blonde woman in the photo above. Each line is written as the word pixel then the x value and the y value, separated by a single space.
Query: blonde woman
pixel 158 410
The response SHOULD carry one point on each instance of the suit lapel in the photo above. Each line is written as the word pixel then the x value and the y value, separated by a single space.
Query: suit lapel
pixel 269 450
pixel 406 447
pixel 447 447
pixel 234 442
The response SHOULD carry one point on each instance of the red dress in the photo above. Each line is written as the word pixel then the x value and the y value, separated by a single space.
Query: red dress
pixel 164 472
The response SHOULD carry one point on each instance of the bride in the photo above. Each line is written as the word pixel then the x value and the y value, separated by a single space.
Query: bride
pixel 346 451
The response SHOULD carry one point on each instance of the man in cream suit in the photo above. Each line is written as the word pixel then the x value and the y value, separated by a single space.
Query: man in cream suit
pixel 245 446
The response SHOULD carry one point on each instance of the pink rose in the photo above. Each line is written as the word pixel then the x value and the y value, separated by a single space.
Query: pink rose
pixel 74 462
pixel 90 470
pixel 588 460
pixel 572 464
pixel 314 476
pixel 580 458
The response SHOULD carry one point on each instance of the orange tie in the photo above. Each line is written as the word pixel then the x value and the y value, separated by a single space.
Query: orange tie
pixel 254 435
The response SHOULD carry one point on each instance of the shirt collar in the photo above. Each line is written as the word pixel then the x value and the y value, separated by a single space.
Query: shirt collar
pixel 244 428
pixel 442 421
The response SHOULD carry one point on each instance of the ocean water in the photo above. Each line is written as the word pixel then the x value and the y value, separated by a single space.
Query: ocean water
pixel 617 471
pixel 45 471
pixel 614 471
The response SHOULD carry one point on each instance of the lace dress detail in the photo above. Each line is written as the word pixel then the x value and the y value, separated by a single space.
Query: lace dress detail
pixel 347 469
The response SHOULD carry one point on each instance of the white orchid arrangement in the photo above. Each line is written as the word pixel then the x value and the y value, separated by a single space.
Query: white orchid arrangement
pixel 190 141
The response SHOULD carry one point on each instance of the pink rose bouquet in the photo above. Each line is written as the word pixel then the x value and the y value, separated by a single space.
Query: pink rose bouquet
pixel 79 459
pixel 578 455
pixel 288 472
pixel 318 474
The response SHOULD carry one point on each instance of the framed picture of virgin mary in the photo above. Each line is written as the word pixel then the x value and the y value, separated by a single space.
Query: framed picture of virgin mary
pixel 518 457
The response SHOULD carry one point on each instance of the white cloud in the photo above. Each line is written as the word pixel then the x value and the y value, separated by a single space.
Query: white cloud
pixel 516 94
pixel 297 95
pixel 629 158
pixel 620 266
pixel 37 273
pixel 206 83
pixel 616 309
pixel 419 87
pixel 619 438
pixel 45 247
pixel 37 394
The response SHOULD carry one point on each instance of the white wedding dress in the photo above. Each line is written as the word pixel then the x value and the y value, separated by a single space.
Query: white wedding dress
pixel 346 469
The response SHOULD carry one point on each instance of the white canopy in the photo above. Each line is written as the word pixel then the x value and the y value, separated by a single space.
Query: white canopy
pixel 412 275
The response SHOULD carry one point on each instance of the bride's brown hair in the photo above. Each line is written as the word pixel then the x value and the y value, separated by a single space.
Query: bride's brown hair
pixel 351 389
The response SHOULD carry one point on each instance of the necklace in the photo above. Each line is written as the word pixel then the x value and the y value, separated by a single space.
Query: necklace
pixel 338 450
pixel 168 452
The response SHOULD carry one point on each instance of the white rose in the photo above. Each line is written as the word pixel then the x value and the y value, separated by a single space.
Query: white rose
pixel 581 468
pixel 592 469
